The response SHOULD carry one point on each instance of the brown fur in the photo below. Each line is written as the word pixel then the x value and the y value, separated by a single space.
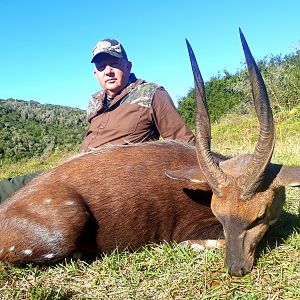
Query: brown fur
pixel 115 197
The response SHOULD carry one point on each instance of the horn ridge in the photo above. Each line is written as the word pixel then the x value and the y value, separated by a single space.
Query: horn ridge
pixel 212 172
pixel 250 181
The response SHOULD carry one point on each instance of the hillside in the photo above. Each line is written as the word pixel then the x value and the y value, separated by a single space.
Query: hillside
pixel 30 129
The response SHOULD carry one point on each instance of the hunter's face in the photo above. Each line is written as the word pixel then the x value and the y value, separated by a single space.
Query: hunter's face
pixel 112 73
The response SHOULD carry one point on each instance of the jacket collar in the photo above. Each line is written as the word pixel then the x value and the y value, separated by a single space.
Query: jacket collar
pixel 97 104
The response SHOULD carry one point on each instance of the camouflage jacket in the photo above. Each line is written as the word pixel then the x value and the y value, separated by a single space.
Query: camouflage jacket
pixel 143 111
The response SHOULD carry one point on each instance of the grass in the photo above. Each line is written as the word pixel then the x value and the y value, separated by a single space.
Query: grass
pixel 11 169
pixel 167 271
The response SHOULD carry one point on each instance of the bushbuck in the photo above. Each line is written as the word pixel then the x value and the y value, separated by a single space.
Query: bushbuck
pixel 127 196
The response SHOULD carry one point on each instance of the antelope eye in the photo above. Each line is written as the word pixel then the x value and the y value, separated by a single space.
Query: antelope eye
pixel 260 218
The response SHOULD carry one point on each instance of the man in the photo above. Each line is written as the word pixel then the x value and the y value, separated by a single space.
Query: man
pixel 127 110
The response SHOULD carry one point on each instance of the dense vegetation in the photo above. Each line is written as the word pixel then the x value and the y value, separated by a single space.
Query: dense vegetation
pixel 29 129
pixel 227 92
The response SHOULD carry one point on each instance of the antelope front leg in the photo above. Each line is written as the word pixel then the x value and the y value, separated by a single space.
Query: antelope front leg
pixel 202 244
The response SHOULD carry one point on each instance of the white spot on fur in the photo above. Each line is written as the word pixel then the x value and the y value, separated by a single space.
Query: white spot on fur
pixel 48 256
pixel 69 202
pixel 52 239
pixel 47 200
pixel 197 247
pixel 183 244
pixel 27 252
pixel 202 244
pixel 12 248
pixel 213 244
pixel 1 251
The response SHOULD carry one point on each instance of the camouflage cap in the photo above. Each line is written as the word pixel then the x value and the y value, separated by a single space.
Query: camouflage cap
pixel 109 46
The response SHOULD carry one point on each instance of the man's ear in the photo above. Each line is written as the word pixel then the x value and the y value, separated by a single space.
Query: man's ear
pixel 95 72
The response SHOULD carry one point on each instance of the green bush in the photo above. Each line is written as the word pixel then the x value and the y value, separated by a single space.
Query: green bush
pixel 227 92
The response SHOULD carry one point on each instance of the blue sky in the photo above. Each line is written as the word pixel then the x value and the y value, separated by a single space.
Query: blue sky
pixel 46 45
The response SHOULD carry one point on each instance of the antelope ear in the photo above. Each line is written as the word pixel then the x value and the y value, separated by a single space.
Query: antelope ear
pixel 288 176
pixel 192 175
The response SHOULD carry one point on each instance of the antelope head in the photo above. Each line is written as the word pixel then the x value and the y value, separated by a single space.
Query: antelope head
pixel 248 190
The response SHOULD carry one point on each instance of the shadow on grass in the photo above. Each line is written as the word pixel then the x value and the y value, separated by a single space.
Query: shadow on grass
pixel 279 232
pixel 274 237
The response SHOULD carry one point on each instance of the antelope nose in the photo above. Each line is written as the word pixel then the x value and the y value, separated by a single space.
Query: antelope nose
pixel 239 271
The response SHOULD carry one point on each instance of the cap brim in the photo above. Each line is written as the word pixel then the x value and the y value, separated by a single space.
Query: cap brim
pixel 114 54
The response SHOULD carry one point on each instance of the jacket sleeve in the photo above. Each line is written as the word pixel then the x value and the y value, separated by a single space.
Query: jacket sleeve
pixel 167 119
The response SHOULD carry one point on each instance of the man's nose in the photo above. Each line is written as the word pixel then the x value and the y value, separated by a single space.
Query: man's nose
pixel 108 69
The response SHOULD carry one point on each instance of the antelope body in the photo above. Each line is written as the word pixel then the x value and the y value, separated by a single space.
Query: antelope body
pixel 126 196
pixel 115 197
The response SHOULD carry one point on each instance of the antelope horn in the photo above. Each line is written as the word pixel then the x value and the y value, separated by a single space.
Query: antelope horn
pixel 215 177
pixel 251 180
